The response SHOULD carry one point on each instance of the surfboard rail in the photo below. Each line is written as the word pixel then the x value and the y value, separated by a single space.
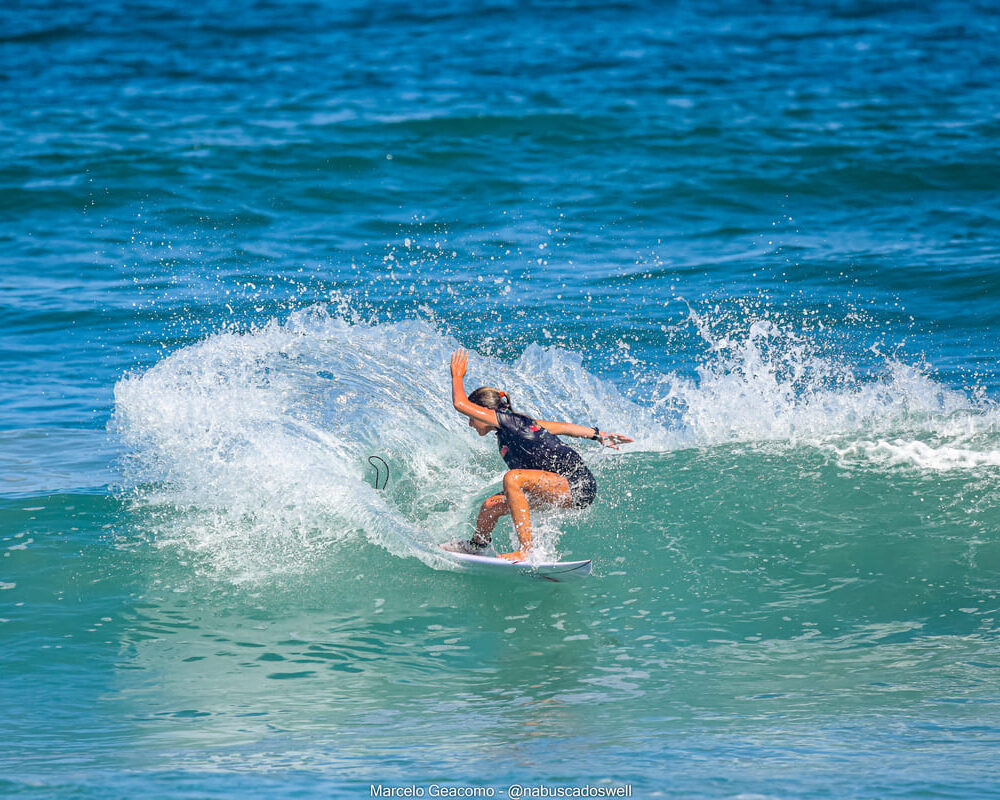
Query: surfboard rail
pixel 555 571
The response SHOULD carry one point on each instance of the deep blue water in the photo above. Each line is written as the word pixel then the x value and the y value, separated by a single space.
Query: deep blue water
pixel 239 242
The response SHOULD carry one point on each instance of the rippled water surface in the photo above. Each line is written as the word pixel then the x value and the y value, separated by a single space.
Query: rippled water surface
pixel 239 243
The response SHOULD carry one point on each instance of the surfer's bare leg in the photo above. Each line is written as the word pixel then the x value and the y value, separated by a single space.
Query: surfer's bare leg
pixel 541 487
pixel 492 509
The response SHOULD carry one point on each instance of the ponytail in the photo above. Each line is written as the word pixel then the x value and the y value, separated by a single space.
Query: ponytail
pixel 493 399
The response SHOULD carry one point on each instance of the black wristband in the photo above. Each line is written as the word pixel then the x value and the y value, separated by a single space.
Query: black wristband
pixel 597 434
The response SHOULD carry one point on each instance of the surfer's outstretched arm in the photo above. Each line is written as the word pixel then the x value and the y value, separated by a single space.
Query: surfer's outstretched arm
pixel 585 432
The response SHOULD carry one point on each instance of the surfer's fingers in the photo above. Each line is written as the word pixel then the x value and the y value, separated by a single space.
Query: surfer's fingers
pixel 459 361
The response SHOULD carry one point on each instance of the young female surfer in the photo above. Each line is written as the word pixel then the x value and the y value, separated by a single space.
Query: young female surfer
pixel 541 468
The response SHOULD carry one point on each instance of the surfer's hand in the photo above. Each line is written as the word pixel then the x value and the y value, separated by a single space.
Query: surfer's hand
pixel 459 363
pixel 612 440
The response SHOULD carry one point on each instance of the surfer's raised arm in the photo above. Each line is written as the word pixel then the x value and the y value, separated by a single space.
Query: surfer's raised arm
pixel 459 365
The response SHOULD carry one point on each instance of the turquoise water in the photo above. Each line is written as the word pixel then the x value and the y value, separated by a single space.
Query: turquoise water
pixel 240 243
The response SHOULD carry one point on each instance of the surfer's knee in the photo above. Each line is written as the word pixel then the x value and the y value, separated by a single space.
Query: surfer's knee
pixel 495 503
pixel 513 480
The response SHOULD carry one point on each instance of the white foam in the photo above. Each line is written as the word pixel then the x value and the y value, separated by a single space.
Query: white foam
pixel 919 454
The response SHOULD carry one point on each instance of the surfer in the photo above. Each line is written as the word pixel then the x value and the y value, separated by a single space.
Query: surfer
pixel 541 468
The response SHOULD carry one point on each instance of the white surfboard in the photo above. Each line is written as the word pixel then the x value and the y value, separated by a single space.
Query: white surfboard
pixel 556 572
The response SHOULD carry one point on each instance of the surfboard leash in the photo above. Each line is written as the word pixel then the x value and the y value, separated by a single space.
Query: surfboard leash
pixel 372 460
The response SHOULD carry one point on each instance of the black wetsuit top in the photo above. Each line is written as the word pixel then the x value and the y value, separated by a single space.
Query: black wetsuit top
pixel 524 444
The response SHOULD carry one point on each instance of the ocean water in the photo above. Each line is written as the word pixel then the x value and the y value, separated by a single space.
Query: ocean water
pixel 239 243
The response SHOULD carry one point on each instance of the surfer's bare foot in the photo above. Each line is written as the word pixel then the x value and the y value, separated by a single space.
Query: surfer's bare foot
pixel 472 548
pixel 517 555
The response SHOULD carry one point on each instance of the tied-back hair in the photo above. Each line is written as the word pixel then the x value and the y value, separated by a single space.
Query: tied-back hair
pixel 493 399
